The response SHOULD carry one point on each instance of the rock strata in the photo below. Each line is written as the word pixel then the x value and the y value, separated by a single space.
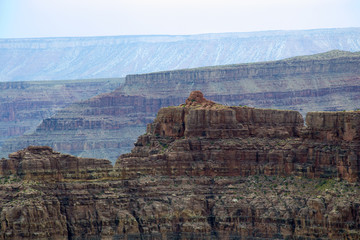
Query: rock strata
pixel 322 82
pixel 340 126
pixel 220 141
pixel 202 171
pixel 42 163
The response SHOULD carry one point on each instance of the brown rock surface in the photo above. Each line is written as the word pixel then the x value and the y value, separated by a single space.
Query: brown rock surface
pixel 181 208
pixel 266 176
pixel 328 126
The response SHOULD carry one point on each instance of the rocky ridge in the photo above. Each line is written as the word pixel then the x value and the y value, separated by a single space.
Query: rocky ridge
pixel 323 82
pixel 202 170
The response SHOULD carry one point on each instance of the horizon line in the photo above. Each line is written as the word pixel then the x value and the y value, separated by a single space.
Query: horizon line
pixel 178 35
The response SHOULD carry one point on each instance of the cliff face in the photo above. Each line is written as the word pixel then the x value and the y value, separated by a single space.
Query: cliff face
pixel 202 170
pixel 334 126
pixel 309 83
pixel 329 81
pixel 181 208
pixel 292 74
pixel 118 56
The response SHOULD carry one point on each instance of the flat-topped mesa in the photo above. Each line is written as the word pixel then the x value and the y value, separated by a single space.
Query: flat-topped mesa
pixel 42 163
pixel 204 118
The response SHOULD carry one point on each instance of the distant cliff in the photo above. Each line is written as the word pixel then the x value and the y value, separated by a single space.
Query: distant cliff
pixel 118 56
pixel 106 126
pixel 299 74
pixel 23 105
pixel 201 171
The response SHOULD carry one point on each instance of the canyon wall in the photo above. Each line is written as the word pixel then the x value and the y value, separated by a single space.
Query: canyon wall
pixel 323 71
pixel 202 170
pixel 106 126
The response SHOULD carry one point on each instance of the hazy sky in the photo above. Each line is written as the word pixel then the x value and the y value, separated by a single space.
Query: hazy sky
pixel 54 18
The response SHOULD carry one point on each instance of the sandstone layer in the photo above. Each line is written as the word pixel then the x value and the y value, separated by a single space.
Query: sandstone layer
pixel 106 126
pixel 202 170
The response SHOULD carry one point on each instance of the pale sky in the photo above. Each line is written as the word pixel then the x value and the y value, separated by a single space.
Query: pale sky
pixel 66 18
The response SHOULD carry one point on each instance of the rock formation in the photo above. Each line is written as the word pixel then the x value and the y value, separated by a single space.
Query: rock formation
pixel 204 138
pixel 202 170
pixel 328 81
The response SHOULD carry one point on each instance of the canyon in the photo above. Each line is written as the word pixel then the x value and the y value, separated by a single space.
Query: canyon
pixel 272 153
pixel 105 126
pixel 201 170
pixel 68 58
